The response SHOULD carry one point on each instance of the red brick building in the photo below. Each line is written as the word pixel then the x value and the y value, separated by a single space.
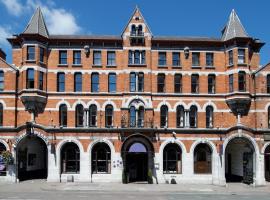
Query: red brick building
pixel 135 107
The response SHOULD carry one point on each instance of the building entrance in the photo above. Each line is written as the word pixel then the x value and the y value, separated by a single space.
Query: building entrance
pixel 137 154
pixel 240 161
pixel 31 158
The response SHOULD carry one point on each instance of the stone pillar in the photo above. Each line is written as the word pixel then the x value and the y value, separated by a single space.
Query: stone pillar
pixel 85 175
pixel 53 166
pixel 259 170
pixel 217 171
pixel 188 165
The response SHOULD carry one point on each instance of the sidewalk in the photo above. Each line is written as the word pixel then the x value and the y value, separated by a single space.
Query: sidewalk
pixel 233 188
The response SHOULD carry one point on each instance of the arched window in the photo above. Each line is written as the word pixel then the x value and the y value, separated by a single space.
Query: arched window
pixel 172 159
pixel 133 30
pixel 209 117
pixel 70 158
pixel 180 117
pixel 211 84
pixel 268 83
pixel 109 116
pixel 242 81
pixel 132 116
pixel 101 158
pixel 268 117
pixel 93 115
pixel 202 159
pixel 77 82
pixel 79 115
pixel 140 30
pixel 163 116
pixel 193 116
pixel 30 79
pixel 141 117
pixel 63 115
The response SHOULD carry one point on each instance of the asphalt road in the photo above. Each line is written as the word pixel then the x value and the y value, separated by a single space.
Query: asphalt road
pixel 38 191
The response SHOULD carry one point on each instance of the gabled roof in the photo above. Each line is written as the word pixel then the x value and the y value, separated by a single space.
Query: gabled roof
pixel 261 68
pixel 234 28
pixel 134 13
pixel 37 25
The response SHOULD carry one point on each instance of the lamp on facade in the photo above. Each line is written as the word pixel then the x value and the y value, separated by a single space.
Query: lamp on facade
pixel 186 52
pixel 87 50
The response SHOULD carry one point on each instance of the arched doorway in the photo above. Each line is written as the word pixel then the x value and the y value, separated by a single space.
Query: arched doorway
pixel 137 153
pixel 267 163
pixel 239 161
pixel 32 158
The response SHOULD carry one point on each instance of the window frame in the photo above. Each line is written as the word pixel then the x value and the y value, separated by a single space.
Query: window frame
pixel 111 60
pixel 164 112
pixel 178 83
pixel 63 57
pixel 196 59
pixel 180 116
pixel 2 80
pixel 79 115
pixel 193 115
pixel 209 62
pixel 92 116
pixel 161 83
pixel 112 83
pixel 63 111
pixel 41 80
pixel 66 158
pixel 109 116
pixel 211 84
pixel 61 83
pixel 167 160
pixel 31 55
pixel 230 57
pixel 231 84
pixel 195 85
pixel 77 57
pixel 242 82
pixel 95 82
pixel 209 117
pixel 96 159
pixel 41 54
pixel 97 58
pixel 162 58
pixel 78 87
pixel 241 58
pixel 176 62
pixel 268 83
pixel 30 82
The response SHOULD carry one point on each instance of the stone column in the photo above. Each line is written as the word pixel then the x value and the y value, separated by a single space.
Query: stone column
pixel 85 173
pixel 53 166
pixel 259 170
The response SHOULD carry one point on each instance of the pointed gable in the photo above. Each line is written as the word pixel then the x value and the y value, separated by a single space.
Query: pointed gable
pixel 234 28
pixel 137 18
pixel 37 25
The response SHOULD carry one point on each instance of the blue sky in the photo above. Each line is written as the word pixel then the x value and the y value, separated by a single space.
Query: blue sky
pixel 165 17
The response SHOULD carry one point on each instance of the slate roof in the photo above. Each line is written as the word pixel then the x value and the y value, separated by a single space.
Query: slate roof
pixel 37 25
pixel 234 28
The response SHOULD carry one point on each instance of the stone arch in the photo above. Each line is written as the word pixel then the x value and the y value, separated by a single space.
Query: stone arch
pixel 174 141
pixel 36 133
pixel 61 103
pixel 142 99
pixel 109 102
pixel 3 103
pixel 93 102
pixel 162 104
pixel 209 103
pixel 137 137
pixel 5 144
pixel 262 150
pixel 104 140
pixel 77 103
pixel 195 104
pixel 180 103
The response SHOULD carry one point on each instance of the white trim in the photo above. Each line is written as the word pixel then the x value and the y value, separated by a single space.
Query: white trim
pixel 35 67
pixel 109 102
pixel 5 144
pixel 164 102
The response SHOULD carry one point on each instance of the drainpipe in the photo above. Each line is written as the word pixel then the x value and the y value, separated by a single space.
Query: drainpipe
pixel 16 98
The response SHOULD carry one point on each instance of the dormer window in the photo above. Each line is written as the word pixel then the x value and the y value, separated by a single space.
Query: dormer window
pixel 133 30
pixel 136 35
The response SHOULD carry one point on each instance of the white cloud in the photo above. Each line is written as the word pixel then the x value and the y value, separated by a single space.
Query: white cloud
pixel 14 7
pixel 4 34
pixel 58 20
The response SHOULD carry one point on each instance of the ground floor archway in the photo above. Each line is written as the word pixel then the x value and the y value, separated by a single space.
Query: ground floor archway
pixel 267 163
pixel 239 161
pixel 32 158
pixel 137 153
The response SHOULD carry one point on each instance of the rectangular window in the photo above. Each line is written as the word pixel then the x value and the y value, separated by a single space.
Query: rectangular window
pixel 178 83
pixel 2 78
pixel 61 82
pixel 161 83
pixel 95 82
pixel 136 57
pixel 41 54
pixel 63 57
pixel 111 58
pixel 112 82
pixel 176 59
pixel 241 56
pixel 77 82
pixel 231 57
pixel 209 59
pixel 268 83
pixel 97 58
pixel 195 59
pixel 132 82
pixel 76 57
pixel 30 84
pixel 140 82
pixel 162 61
pixel 143 57
pixel 231 83
pixel 30 52
pixel 242 81
pixel 195 83
pixel 40 80
pixel 130 57
pixel 211 84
